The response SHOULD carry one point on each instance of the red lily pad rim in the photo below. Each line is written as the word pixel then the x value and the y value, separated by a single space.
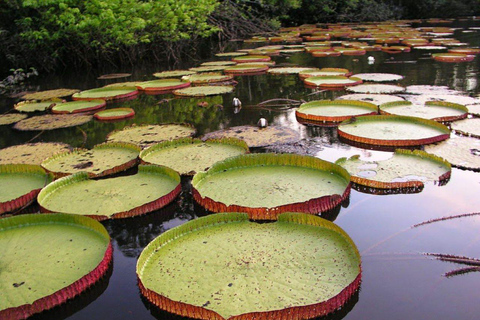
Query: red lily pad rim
pixel 127 113
pixel 72 290
pixel 312 206
pixel 317 119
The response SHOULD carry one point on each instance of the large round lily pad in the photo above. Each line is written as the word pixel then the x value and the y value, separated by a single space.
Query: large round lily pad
pixel 207 77
pixel 398 131
pixel 468 127
pixel 162 85
pixel 434 110
pixel 332 81
pixel 377 99
pixel 104 159
pixel 33 106
pixel 218 63
pixel 20 184
pixel 379 77
pixel 376 88
pixel 257 137
pixel 50 94
pixel 203 91
pixel 208 68
pixel 290 70
pixel 173 73
pixel 79 106
pixel 152 188
pixel 31 153
pixel 231 54
pixel 462 152
pixel 252 58
pixel 114 114
pixel 224 266
pixel 51 122
pixel 106 93
pixel 11 118
pixel 265 185
pixel 147 135
pixel 405 169
pixel 452 57
pixel 48 259
pixel 189 156
pixel 326 111
pixel 324 72
pixel 246 68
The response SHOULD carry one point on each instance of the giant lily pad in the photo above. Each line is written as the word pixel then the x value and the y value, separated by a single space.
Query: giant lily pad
pixel 150 189
pixel 189 156
pixel 252 58
pixel 326 111
pixel 114 114
pixel 462 152
pixel 147 135
pixel 398 131
pixel 50 94
pixel 290 70
pixel 208 68
pixel 11 118
pixel 106 93
pixel 434 110
pixel 405 169
pixel 231 54
pixel 104 159
pixel 332 81
pixel 452 57
pixel 218 63
pixel 48 259
pixel 20 184
pixel 31 153
pixel 265 185
pixel 379 77
pixel 226 267
pixel 324 72
pixel 246 68
pixel 78 106
pixel 114 76
pixel 257 137
pixel 377 99
pixel 51 122
pixel 203 91
pixel 207 77
pixel 162 85
pixel 33 106
pixel 376 88
pixel 468 127
pixel 173 73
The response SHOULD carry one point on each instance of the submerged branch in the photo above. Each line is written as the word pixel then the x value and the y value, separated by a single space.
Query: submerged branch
pixel 455 259
pixel 461 271
pixel 446 218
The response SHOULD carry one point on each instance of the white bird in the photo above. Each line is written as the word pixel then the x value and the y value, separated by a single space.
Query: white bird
pixel 371 60
pixel 262 123
pixel 237 105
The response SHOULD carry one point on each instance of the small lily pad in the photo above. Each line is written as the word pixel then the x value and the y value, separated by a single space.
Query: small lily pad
pixel 50 94
pixel 462 152
pixel 146 135
pixel 51 122
pixel 11 118
pixel 173 73
pixel 203 91
pixel 114 114
pixel 34 106
pixel 405 169
pixel 104 159
pixel 189 156
pixel 326 111
pixel 434 110
pixel 78 106
pixel 376 88
pixel 106 93
pixel 31 153
pixel 162 85
pixel 377 99
pixel 379 77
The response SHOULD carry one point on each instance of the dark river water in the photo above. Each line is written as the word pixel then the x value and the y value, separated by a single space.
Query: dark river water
pixel 399 280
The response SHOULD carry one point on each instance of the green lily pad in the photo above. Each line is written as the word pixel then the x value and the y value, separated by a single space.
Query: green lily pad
pixel 218 63
pixel 224 266
pixel 122 84
pixel 48 259
pixel 265 185
pixel 467 127
pixel 252 58
pixel 207 77
pixel 114 114
pixel 430 48
pixel 50 94
pixel 51 122
pixel 31 153
pixel 173 73
pixel 434 110
pixel 147 135
pixel 231 54
pixel 376 88
pixel 377 99
pixel 78 106
pixel 162 85
pixel 405 169
pixel 203 91
pixel 462 152
pixel 257 137
pixel 452 57
pixel 290 70
pixel 324 72
pixel 208 68
pixel 20 184
pixel 325 111
pixel 332 81
pixel 189 156
pixel 150 189
pixel 11 118
pixel 106 93
pixel 104 159
pixel 114 76
pixel 379 77
pixel 398 131
pixel 246 68
pixel 33 106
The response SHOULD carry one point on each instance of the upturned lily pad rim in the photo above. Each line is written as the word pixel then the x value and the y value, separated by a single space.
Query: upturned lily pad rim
pixel 145 208
pixel 105 145
pixel 26 199
pixel 448 105
pixel 128 92
pixel 73 289
pixel 91 105
pixel 396 142
pixel 295 312
pixel 312 81
pixel 125 113
pixel 302 111
pixel 190 141
pixel 412 184
pixel 312 206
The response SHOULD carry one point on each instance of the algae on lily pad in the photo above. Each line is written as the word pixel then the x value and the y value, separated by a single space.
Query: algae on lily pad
pixel 326 111
pixel 49 259
pixel 50 94
pixel 20 184
pixel 265 185
pixel 152 188
pixel 393 131
pixel 106 93
pixel 379 77
pixel 11 118
pixel 31 153
pixel 257 137
pixel 467 127
pixel 146 135
pixel 434 110
pixel 34 106
pixel 224 266
pixel 78 106
pixel 405 169
pixel 188 156
pixel 376 88
pixel 104 159
pixel 377 99
pixel 203 91
pixel 51 122
pixel 462 152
